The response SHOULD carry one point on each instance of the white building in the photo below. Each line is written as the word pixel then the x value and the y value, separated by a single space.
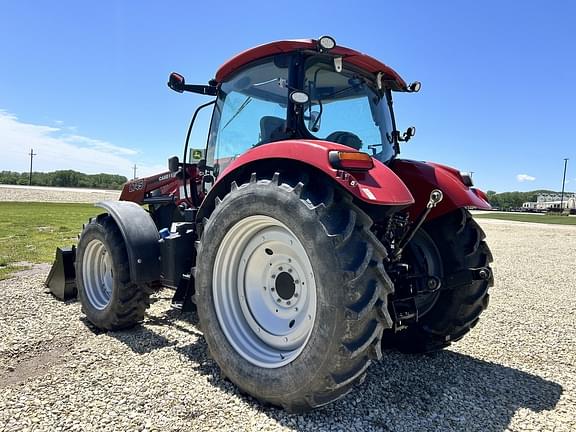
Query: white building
pixel 546 201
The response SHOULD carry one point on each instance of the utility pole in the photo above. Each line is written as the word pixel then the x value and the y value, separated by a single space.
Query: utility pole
pixel 134 168
pixel 31 154
pixel 563 183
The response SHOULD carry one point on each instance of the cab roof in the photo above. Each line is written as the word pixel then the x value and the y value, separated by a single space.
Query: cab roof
pixel 356 58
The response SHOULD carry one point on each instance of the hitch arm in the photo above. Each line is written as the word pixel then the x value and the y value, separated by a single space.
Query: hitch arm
pixel 435 197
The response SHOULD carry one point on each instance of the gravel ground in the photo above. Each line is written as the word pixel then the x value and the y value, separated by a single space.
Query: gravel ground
pixel 48 194
pixel 515 371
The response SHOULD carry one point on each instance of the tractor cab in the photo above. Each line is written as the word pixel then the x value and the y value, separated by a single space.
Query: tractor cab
pixel 309 90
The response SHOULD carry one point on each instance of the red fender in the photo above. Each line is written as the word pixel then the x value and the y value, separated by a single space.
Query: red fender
pixel 422 177
pixel 378 186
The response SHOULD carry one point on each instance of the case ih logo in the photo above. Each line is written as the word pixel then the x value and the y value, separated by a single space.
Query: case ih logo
pixel 136 185
pixel 166 176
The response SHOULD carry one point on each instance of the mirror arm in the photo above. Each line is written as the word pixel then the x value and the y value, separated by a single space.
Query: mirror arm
pixel 201 89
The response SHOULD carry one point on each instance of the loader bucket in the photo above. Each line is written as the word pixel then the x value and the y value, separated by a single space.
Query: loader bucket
pixel 62 277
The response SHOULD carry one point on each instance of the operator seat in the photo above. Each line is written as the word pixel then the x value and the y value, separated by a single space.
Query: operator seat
pixel 272 129
pixel 347 138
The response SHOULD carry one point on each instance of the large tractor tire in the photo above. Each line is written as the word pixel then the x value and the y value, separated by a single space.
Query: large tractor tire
pixel 108 297
pixel 456 242
pixel 291 291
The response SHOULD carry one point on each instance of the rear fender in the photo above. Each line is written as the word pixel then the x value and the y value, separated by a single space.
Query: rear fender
pixel 378 186
pixel 422 177
pixel 140 237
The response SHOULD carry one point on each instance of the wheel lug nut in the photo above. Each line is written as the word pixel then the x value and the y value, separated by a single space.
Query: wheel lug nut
pixel 279 301
pixel 280 269
pixel 289 270
pixel 272 289
pixel 273 276
pixel 295 294
pixel 288 302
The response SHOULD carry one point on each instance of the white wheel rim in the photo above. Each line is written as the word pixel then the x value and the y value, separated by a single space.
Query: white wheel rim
pixel 97 275
pixel 264 291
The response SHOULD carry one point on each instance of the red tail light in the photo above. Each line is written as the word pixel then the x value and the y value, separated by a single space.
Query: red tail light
pixel 350 161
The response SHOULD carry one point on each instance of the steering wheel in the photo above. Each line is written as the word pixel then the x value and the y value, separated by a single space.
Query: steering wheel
pixel 346 138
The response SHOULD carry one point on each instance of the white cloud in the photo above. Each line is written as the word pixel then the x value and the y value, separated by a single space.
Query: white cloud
pixel 524 178
pixel 57 149
pixel 97 144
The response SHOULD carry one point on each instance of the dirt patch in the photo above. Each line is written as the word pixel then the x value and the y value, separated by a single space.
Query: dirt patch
pixel 29 269
pixel 33 367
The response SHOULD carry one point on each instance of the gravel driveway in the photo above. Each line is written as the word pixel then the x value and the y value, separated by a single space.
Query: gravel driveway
pixel 515 371
pixel 54 194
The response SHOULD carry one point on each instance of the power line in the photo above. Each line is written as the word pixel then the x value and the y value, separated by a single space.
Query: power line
pixel 31 154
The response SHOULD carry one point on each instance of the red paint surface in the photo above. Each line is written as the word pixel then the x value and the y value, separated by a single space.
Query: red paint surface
pixel 378 186
pixel 351 56
pixel 422 177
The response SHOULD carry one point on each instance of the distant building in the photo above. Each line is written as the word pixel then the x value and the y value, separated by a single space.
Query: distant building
pixel 547 201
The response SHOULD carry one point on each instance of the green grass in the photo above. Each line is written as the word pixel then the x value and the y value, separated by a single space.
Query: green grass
pixel 519 217
pixel 30 232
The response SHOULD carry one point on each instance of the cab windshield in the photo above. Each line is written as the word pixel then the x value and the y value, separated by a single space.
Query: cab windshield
pixel 347 109
pixel 250 110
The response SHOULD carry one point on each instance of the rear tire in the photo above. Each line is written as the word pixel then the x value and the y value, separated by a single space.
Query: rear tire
pixel 460 241
pixel 108 297
pixel 326 243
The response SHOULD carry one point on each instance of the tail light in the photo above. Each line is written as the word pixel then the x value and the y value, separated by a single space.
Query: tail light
pixel 350 161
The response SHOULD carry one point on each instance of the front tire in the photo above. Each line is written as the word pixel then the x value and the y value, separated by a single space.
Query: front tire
pixel 457 308
pixel 108 297
pixel 270 248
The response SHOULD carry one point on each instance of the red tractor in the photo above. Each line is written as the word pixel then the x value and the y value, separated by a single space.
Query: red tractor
pixel 302 239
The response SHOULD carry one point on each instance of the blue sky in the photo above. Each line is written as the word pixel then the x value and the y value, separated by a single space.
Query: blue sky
pixel 85 82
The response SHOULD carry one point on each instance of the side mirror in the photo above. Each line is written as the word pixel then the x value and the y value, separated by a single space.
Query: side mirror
pixel 176 82
pixel 410 132
pixel 314 121
pixel 173 164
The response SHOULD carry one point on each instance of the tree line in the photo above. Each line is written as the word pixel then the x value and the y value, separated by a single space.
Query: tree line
pixel 65 178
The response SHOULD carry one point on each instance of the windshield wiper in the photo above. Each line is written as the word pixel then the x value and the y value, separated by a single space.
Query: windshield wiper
pixel 238 111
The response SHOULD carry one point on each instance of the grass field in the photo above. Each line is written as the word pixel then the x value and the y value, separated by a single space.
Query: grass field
pixel 30 232
pixel 519 217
